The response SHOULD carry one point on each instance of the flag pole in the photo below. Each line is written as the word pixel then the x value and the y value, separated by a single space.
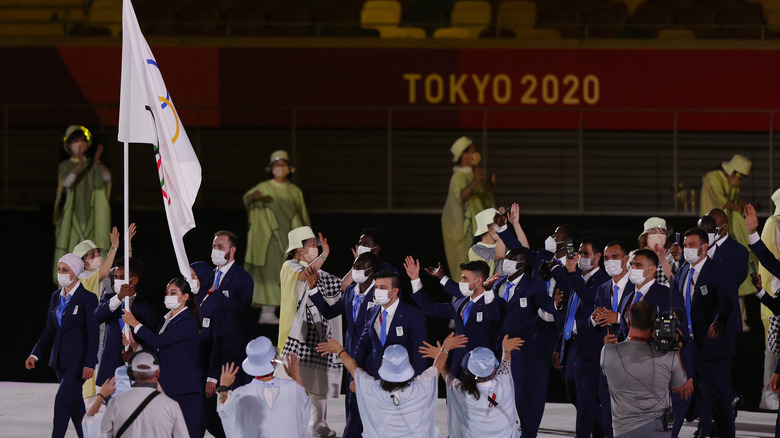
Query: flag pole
pixel 126 200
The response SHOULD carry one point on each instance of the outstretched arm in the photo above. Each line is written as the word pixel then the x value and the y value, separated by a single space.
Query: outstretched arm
pixel 333 347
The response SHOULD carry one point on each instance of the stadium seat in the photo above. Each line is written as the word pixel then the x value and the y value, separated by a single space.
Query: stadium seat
pixel 631 5
pixel 649 19
pixel 607 20
pixel 772 25
pixel 245 20
pixel 676 34
pixel 563 18
pixel 391 6
pixel 335 19
pixel 472 15
pixel 107 13
pixel 390 32
pixel 460 33
pixel 740 20
pixel 289 19
pixel 516 15
pixel 699 19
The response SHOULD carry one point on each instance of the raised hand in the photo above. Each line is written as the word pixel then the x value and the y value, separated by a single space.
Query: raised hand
pixel 325 246
pixel 756 280
pixel 488 284
pixel 751 219
pixel 228 376
pixel 114 237
pixel 452 342
pixel 479 174
pixel 311 273
pixel 437 271
pixel 412 267
pixel 293 366
pixel 514 214
pixel 509 344
pixel 430 351
pixel 331 346
pixel 500 217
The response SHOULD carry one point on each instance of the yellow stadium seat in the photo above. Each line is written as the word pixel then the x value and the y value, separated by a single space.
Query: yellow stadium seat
pixel 770 6
pixel 631 5
pixel 530 33
pixel 377 18
pixel 677 34
pixel 391 6
pixel 773 22
pixel 391 32
pixel 461 33
pixel 107 13
pixel 31 29
pixel 476 20
pixel 516 15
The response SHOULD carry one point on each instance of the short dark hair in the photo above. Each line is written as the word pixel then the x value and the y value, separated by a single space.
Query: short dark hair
pixel 642 315
pixel 698 232
pixel 707 223
pixel 232 238
pixel 523 250
pixel 136 267
pixel 617 243
pixel 478 266
pixel 571 232
pixel 590 240
pixel 373 260
pixel 386 273
pixel 649 254
pixel 377 235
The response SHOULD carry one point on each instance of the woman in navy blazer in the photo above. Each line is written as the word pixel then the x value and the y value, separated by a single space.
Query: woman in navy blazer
pixel 176 344
pixel 70 337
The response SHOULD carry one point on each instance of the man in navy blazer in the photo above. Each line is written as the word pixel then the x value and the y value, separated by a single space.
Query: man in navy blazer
pixel 353 304
pixel 646 288
pixel 521 296
pixel 109 311
pixel 390 321
pixel 477 314
pixel 232 281
pixel 70 338
pixel 708 291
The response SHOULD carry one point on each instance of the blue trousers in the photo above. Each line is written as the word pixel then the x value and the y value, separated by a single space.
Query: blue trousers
pixel 606 404
pixel 354 426
pixel 582 381
pixel 191 407
pixel 68 403
pixel 527 391
pixel 545 338
pixel 716 396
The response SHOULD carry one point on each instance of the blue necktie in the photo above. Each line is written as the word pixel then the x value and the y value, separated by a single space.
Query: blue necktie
pixel 121 321
pixel 382 327
pixel 638 296
pixel 509 285
pixel 356 306
pixel 688 294
pixel 216 282
pixel 61 308
pixel 467 311
pixel 615 290
pixel 569 327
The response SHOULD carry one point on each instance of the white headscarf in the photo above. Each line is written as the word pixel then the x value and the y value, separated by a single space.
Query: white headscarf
pixel 74 262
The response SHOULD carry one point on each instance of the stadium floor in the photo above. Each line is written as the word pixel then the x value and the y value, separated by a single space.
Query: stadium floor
pixel 26 411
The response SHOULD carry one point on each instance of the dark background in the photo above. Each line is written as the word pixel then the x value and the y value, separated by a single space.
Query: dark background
pixel 28 259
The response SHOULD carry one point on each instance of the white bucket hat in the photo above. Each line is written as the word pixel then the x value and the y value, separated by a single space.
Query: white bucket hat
pixel 738 163
pixel 459 146
pixel 653 223
pixel 279 155
pixel 481 362
pixel 484 218
pixel 260 354
pixel 84 247
pixel 297 236
pixel 395 365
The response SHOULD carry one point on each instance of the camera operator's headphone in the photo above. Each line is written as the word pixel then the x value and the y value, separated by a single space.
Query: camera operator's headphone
pixel 155 361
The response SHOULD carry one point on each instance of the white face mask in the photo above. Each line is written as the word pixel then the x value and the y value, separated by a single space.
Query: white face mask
pixel 171 302
pixel 118 284
pixel 711 237
pixel 363 249
pixel 465 288
pixel 550 244
pixel 510 267
pixel 476 157
pixel 636 276
pixel 656 239
pixel 64 280
pixel 218 257
pixel 194 285
pixel 310 254
pixel 586 264
pixel 381 296
pixel 691 255
pixel 613 267
pixel 94 264
pixel 359 276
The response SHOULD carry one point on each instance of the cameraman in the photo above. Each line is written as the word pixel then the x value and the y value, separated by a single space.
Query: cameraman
pixel 639 379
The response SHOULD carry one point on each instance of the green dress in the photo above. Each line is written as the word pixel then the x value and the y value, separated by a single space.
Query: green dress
pixel 85 212
pixel 271 218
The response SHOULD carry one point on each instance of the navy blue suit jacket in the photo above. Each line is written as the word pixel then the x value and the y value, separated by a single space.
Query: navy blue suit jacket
pixel 344 307
pixel 214 338
pixel 112 341
pixel 177 349
pixel 766 258
pixel 734 257
pixel 73 345
pixel 482 327
pixel 407 328
pixel 237 285
pixel 713 300
pixel 658 295
pixel 537 257
pixel 520 312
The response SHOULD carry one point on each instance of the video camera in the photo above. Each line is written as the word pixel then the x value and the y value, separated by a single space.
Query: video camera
pixel 666 334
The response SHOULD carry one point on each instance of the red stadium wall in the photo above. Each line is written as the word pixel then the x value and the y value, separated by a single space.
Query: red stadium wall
pixel 616 89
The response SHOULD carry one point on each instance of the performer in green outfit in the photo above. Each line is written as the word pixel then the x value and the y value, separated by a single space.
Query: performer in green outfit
pixel 468 194
pixel 275 207
pixel 84 214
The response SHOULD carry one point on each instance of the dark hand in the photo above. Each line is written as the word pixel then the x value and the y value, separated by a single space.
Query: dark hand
pixel 716 328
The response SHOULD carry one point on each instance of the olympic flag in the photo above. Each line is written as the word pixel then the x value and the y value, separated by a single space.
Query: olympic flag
pixel 147 115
